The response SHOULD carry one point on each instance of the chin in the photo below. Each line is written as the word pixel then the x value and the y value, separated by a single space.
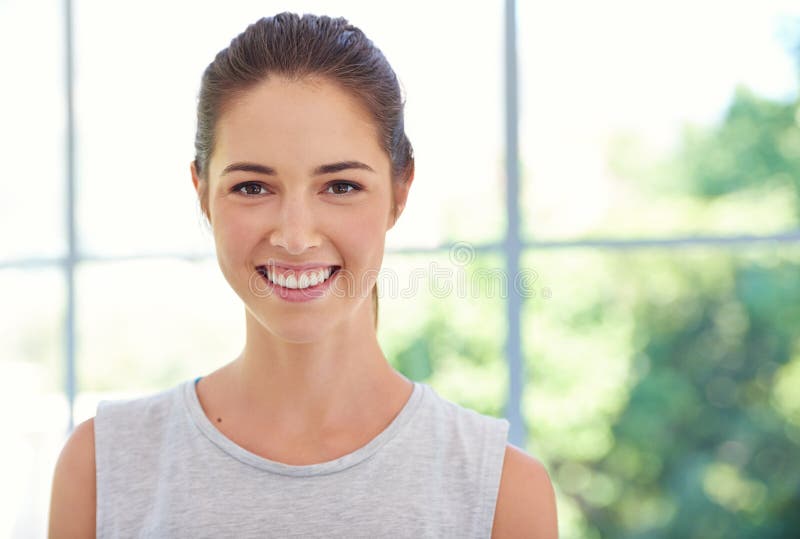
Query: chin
pixel 297 329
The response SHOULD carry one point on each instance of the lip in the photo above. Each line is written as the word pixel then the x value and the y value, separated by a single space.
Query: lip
pixel 297 295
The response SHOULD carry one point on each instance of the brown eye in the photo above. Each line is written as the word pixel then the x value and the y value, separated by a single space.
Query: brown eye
pixel 341 188
pixel 250 188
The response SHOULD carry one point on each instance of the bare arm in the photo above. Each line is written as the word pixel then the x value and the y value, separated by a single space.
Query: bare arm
pixel 526 503
pixel 73 499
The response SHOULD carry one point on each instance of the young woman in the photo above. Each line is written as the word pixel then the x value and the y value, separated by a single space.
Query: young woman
pixel 302 165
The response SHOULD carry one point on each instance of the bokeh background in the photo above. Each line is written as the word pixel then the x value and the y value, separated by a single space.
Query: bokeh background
pixel 657 362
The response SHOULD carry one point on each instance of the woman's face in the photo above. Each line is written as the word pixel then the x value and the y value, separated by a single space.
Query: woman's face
pixel 272 204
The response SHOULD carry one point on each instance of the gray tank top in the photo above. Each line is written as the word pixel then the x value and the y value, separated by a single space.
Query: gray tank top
pixel 164 470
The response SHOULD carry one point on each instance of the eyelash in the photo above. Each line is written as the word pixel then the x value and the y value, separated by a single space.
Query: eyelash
pixel 355 187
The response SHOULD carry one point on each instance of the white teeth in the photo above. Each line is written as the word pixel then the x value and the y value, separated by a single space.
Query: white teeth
pixel 291 281
pixel 306 279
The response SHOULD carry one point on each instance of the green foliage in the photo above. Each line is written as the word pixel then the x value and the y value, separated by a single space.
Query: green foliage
pixel 701 437
pixel 666 383
pixel 454 343
pixel 725 460
pixel 757 144
pixel 663 392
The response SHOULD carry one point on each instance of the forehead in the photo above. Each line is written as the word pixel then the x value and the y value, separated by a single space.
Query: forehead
pixel 289 124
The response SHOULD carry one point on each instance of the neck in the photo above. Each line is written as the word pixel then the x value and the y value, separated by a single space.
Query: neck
pixel 315 387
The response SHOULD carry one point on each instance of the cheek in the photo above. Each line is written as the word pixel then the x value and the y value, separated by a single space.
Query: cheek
pixel 361 233
pixel 234 239
pixel 234 233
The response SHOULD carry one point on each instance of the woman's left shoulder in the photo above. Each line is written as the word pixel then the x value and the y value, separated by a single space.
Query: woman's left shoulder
pixel 526 502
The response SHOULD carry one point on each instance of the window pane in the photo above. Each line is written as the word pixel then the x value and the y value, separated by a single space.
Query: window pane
pixel 31 394
pixel 137 103
pixel 442 321
pixel 33 115
pixel 662 390
pixel 147 325
pixel 642 120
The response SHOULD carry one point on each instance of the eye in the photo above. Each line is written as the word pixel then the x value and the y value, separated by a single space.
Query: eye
pixel 248 192
pixel 340 188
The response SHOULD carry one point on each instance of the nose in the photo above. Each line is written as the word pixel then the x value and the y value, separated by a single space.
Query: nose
pixel 295 229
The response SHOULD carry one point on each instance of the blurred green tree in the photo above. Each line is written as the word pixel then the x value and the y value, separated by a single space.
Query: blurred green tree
pixel 757 144
pixel 708 443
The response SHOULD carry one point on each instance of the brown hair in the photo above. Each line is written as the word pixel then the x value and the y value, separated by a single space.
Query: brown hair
pixel 296 47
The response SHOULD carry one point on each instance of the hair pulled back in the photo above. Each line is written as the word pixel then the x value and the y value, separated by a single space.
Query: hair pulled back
pixel 295 47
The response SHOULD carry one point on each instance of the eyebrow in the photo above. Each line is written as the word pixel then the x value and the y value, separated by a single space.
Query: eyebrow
pixel 322 169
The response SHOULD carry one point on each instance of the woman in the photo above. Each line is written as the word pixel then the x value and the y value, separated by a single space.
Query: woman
pixel 302 165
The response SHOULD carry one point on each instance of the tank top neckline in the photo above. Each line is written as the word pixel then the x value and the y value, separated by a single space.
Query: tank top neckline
pixel 207 428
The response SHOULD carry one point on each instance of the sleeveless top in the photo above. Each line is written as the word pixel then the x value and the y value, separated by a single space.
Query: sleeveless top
pixel 164 470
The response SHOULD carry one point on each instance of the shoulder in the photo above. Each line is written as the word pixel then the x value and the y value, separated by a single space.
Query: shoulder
pixel 526 505
pixel 125 418
pixel 73 495
pixel 149 403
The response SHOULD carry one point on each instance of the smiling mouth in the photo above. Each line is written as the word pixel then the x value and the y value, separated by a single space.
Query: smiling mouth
pixel 295 280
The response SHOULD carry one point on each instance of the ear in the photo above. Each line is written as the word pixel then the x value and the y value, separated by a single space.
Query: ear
pixel 400 191
pixel 201 188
